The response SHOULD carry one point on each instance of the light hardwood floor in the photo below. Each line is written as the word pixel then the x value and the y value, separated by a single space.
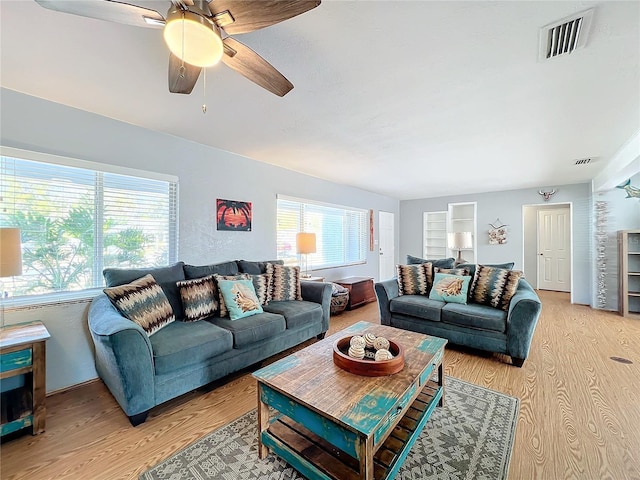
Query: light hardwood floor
pixel 579 411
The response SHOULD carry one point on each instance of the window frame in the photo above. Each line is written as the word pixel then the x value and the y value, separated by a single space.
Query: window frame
pixel 98 169
pixel 363 234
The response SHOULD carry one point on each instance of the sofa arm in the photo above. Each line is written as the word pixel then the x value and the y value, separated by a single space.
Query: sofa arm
pixel 386 291
pixel 524 311
pixel 318 292
pixel 124 357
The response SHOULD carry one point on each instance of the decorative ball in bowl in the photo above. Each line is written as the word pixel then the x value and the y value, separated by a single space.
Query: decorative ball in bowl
pixel 367 365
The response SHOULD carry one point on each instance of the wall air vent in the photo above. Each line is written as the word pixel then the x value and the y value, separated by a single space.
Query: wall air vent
pixel 565 36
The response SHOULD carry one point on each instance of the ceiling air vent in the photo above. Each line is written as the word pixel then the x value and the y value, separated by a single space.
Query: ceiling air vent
pixel 565 36
pixel 584 161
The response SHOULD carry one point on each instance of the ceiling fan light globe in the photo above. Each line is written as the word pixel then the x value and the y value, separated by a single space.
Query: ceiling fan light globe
pixel 193 39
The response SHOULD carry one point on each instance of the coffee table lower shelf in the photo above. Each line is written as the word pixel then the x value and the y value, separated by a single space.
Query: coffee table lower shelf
pixel 316 458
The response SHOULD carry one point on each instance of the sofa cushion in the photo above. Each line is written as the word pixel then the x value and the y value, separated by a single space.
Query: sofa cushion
pixel 246 331
pixel 417 306
pixel 452 271
pixel 166 277
pixel 240 298
pixel 225 268
pixel 297 313
pixel 286 283
pixel 450 288
pixel 256 268
pixel 199 298
pixel 475 316
pixel 143 302
pixel 187 343
pixel 414 279
pixel 472 266
pixel 494 286
pixel 440 262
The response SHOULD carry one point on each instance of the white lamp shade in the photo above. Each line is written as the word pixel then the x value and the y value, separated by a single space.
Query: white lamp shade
pixel 306 242
pixel 460 240
pixel 10 252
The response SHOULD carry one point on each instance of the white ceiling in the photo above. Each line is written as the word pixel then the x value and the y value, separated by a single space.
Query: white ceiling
pixel 408 99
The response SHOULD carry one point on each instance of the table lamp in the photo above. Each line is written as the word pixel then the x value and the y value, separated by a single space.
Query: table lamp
pixel 459 241
pixel 306 244
pixel 10 260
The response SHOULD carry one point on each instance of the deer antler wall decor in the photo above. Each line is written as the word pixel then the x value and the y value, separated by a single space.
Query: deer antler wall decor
pixel 547 195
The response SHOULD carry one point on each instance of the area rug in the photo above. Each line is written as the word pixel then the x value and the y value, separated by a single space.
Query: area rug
pixel 470 438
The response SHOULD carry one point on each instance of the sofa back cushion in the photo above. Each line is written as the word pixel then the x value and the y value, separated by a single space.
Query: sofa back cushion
pixel 143 302
pixel 256 268
pixel 440 262
pixel 224 268
pixel 494 286
pixel 414 279
pixel 166 277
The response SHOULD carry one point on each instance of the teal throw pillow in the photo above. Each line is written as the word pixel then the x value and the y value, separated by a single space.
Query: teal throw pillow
pixel 450 288
pixel 240 298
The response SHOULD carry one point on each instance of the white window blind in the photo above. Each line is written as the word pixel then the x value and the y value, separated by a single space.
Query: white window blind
pixel 341 232
pixel 76 221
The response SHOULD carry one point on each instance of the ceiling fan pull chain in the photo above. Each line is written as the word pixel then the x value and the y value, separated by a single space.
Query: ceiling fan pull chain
pixel 182 69
pixel 204 90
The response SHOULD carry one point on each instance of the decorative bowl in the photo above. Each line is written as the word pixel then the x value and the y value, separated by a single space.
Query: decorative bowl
pixel 367 366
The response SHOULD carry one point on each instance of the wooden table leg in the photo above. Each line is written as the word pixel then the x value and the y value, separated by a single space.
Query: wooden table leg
pixel 441 382
pixel 365 455
pixel 39 387
pixel 263 423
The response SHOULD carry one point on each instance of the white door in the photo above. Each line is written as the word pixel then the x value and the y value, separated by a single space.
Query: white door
pixel 386 245
pixel 554 250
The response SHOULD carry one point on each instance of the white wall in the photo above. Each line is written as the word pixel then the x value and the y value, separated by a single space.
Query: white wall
pixel 623 214
pixel 204 173
pixel 508 206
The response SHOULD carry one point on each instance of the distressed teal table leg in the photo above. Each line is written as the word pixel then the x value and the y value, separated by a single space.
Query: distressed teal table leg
pixel 365 455
pixel 263 423
pixel 441 382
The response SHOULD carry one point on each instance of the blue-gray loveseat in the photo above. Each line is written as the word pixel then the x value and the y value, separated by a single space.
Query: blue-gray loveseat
pixel 143 371
pixel 472 325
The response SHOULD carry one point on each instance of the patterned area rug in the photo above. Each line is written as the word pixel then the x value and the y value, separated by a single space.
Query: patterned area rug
pixel 470 438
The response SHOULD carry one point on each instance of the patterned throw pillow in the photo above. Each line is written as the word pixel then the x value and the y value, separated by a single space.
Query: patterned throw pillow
pixel 262 284
pixel 240 298
pixel 199 298
pixel 286 283
pixel 143 302
pixel 223 307
pixel 450 288
pixel 452 271
pixel 494 286
pixel 414 279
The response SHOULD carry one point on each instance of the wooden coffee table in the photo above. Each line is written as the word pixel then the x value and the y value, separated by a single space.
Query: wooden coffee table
pixel 331 424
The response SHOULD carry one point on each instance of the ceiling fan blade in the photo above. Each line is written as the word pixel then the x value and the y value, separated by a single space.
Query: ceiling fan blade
pixel 242 16
pixel 248 63
pixel 182 81
pixel 109 10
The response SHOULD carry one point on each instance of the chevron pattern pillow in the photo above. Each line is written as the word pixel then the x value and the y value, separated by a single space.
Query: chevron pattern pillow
pixel 286 283
pixel 143 302
pixel 415 279
pixel 199 298
pixel 452 271
pixel 263 285
pixel 494 286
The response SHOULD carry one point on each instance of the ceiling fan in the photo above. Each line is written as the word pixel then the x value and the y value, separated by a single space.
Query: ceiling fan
pixel 198 32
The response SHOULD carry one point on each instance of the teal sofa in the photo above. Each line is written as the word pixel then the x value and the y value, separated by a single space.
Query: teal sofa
pixel 143 371
pixel 472 325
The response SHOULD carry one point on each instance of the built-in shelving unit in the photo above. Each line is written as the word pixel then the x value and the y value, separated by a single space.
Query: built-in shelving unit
pixel 463 218
pixel 434 236
pixel 629 273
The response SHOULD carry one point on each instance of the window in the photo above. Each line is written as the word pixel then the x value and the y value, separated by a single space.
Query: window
pixel 341 232
pixel 77 218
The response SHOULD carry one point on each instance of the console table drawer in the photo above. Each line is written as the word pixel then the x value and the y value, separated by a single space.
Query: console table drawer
pixel 15 360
